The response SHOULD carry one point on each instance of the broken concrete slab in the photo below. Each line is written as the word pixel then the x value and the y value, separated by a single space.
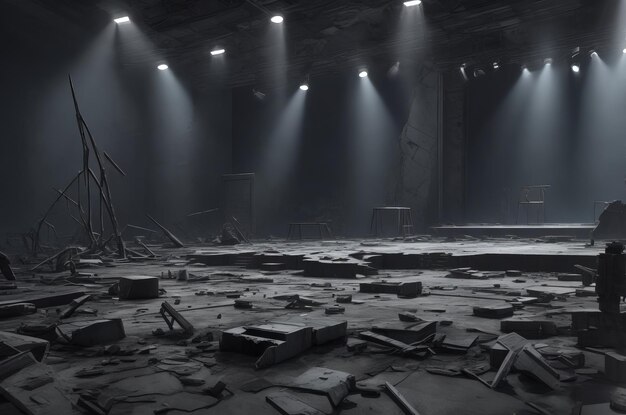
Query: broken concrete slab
pixel 335 385
pixel 288 404
pixel 615 367
pixel 56 298
pixel 505 368
pixel 530 329
pixel 542 291
pixel 323 268
pixel 33 387
pixel 502 346
pixel 91 333
pixel 272 266
pixel 15 310
pixel 324 330
pixel 272 342
pixel 494 311
pixel 38 347
pixel 402 289
pixel 137 287
pixel 407 333
pixel 530 362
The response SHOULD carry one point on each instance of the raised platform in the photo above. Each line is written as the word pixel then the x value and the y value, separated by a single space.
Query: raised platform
pixel 574 230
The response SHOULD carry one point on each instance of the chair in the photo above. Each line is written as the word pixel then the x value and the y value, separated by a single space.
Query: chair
pixel 532 196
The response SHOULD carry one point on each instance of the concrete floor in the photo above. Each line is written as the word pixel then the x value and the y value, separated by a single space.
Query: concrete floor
pixel 142 386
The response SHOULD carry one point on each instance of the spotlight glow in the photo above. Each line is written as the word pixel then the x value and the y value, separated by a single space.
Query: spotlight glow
pixel 412 3
pixel 123 19
pixel 547 61
pixel 496 65
pixel 624 51
pixel 363 74
pixel 304 87
pixel 277 19
pixel 162 67
pixel 594 54
pixel 575 68
pixel 218 52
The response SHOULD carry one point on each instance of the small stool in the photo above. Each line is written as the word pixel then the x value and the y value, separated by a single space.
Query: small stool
pixel 404 220
pixel 296 229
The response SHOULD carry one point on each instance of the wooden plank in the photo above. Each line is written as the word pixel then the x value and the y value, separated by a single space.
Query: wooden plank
pixel 167 233
pixel 400 400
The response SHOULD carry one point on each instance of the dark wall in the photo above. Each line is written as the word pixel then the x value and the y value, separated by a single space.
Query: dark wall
pixel 172 142
pixel 547 127
pixel 346 134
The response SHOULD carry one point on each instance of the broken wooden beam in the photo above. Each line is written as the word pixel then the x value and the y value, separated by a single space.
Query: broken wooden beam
pixel 400 400
pixel 167 233
pixel 77 302
pixel 170 315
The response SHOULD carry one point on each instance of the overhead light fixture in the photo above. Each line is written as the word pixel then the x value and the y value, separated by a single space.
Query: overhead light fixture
pixel 463 72
pixel 304 87
pixel 593 54
pixel 478 72
pixel 624 51
pixel 496 65
pixel 363 74
pixel 162 67
pixel 547 61
pixel 575 68
pixel 277 19
pixel 412 3
pixel 218 52
pixel 123 19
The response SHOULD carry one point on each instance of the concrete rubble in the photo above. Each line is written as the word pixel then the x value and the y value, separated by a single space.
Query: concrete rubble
pixel 219 327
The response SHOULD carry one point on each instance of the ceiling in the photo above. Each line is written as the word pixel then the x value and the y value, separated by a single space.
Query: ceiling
pixel 325 37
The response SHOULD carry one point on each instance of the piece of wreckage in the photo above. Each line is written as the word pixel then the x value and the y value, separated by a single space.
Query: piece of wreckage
pixel 611 223
pixel 274 342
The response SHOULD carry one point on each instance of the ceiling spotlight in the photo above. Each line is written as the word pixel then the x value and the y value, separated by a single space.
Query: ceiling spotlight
pixel 162 67
pixel 218 52
pixel 547 61
pixel 123 19
pixel 304 87
pixel 496 65
pixel 624 51
pixel 575 68
pixel 412 3
pixel 463 72
pixel 277 19
pixel 478 73
pixel 363 74
pixel 593 54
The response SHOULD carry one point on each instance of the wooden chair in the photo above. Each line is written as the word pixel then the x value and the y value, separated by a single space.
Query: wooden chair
pixel 533 196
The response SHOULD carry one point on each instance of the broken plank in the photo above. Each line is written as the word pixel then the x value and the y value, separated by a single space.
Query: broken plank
pixel 400 400
pixel 167 233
